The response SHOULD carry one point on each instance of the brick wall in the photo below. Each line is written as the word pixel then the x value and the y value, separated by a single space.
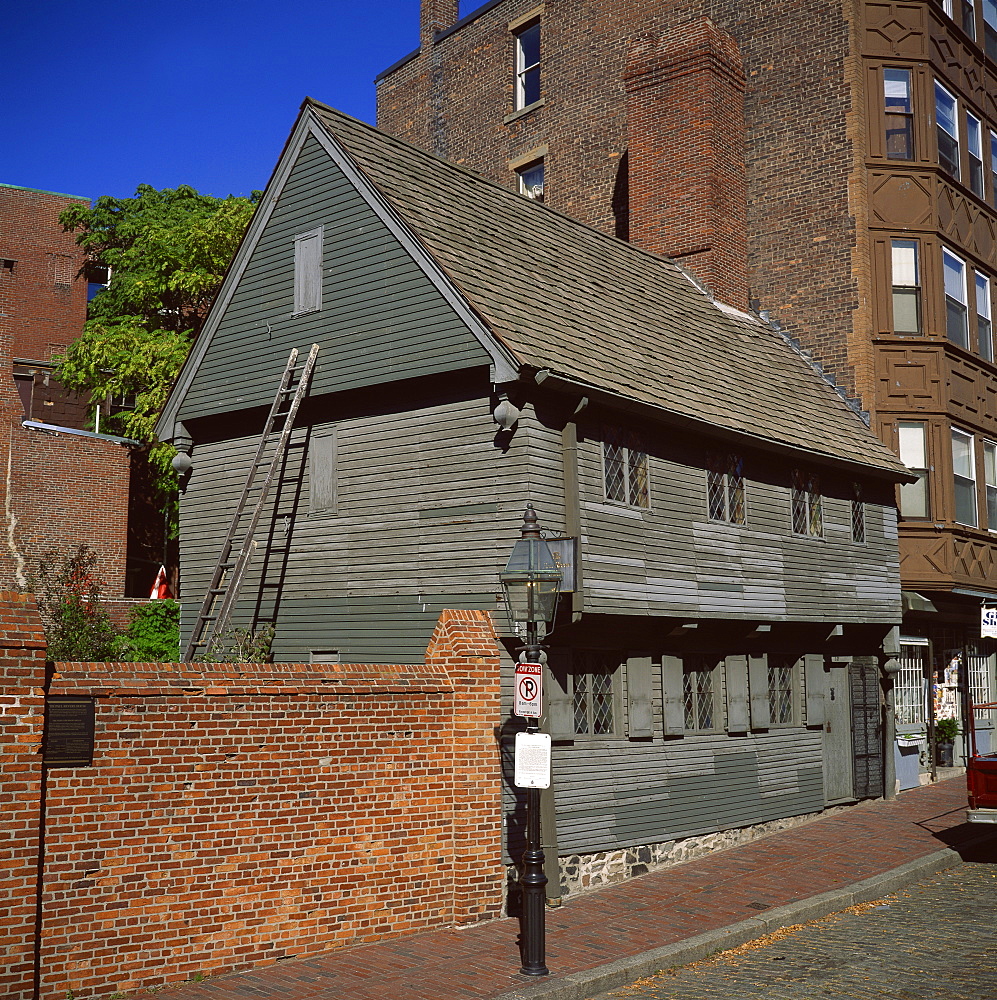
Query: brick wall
pixel 56 490
pixel 22 704
pixel 238 815
pixel 456 97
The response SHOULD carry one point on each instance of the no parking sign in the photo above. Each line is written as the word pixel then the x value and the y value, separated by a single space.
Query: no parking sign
pixel 529 690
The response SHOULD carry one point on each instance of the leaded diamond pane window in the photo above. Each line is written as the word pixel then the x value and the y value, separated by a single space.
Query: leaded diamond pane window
pixel 858 514
pixel 725 488
pixel 808 512
pixel 625 469
pixel 781 700
pixel 699 696
pixel 594 695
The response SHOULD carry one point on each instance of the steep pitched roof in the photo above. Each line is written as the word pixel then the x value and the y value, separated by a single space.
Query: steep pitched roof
pixel 564 297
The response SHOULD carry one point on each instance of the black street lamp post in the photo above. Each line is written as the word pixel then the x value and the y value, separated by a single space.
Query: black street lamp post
pixel 532 580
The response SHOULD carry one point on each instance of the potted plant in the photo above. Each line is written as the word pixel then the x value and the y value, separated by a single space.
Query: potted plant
pixel 946 730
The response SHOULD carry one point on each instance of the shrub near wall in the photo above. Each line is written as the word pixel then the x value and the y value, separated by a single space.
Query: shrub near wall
pixel 242 814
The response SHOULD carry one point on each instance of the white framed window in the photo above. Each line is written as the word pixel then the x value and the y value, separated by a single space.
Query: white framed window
pixel 808 511
pixel 967 19
pixel 964 475
pixel 527 65
pixel 906 286
pixel 974 152
pixel 531 180
pixel 595 694
pixel 899 108
pixel 984 325
pixel 956 310
pixel 990 28
pixel 914 454
pixel 625 469
pixel 990 476
pixel 858 515
pixel 980 681
pixel 701 695
pixel 725 488
pixel 993 168
pixel 910 684
pixel 308 271
pixel 947 127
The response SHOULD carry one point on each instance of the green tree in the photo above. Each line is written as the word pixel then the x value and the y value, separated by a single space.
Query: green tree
pixel 167 252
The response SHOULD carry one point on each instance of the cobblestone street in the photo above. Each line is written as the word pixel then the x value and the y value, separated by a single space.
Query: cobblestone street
pixel 934 940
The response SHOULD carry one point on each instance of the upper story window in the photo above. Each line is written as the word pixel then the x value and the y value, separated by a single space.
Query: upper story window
pixel 993 168
pixel 528 65
pixel 990 28
pixel 984 326
pixel 625 470
pixel 808 511
pixel 899 113
pixel 990 475
pixel 974 151
pixel 531 180
pixel 914 454
pixel 956 311
pixel 964 474
pixel 725 488
pixel 308 272
pixel 906 286
pixel 963 12
pixel 947 121
pixel 858 514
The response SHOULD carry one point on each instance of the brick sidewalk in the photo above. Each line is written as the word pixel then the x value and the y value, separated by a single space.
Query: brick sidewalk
pixel 629 919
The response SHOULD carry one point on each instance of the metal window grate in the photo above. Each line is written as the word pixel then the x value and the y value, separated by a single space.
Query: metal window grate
pixel 910 686
pixel 980 682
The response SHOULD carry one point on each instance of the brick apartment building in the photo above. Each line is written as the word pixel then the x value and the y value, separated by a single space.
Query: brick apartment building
pixel 60 483
pixel 833 168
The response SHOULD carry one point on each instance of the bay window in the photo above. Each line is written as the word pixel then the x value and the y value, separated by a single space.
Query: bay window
pixel 964 475
pixel 914 454
pixel 956 311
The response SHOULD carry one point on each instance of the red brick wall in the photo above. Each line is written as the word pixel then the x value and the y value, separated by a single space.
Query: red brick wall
pixel 22 705
pixel 43 301
pixel 241 814
pixel 799 156
pixel 56 490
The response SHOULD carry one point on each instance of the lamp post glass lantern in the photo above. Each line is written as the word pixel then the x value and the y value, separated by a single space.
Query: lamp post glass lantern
pixel 532 581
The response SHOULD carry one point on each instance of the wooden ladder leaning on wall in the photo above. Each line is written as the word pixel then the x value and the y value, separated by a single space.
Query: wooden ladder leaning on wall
pixel 223 590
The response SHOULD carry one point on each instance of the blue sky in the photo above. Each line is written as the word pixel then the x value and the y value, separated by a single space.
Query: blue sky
pixel 116 93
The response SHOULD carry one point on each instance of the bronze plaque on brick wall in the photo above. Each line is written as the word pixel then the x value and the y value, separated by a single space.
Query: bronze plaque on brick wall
pixel 69 727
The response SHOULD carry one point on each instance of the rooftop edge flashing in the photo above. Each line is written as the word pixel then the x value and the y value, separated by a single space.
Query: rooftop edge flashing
pixel 38 425
pixel 57 194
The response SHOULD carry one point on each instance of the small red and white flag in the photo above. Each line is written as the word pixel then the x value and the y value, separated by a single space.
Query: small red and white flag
pixel 160 589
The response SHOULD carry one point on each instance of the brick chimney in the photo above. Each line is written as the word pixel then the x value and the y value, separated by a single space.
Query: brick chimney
pixel 434 16
pixel 686 136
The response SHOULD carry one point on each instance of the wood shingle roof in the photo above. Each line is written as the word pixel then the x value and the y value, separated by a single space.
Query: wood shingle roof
pixel 590 308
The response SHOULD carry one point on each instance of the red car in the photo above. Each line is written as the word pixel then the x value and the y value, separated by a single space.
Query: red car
pixel 981 779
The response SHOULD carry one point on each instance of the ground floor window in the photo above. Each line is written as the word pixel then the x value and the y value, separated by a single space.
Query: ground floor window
pixel 699 689
pixel 594 695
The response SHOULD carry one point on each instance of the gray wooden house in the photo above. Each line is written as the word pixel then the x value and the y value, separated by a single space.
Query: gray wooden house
pixel 736 569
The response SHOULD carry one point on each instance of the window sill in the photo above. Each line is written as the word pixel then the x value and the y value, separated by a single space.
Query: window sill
pixel 522 112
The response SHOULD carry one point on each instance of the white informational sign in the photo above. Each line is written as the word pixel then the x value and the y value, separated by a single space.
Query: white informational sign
pixel 988 623
pixel 528 694
pixel 532 760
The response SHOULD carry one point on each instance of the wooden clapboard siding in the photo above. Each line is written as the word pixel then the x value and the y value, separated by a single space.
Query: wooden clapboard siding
pixel 671 559
pixel 381 317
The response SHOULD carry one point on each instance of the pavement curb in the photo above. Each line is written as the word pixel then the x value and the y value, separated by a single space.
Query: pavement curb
pixel 589 982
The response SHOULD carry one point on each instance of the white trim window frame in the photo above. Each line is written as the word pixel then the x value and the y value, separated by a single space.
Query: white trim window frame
pixel 990 28
pixel 964 478
pixel 990 479
pixel 910 685
pixel 898 106
pixel 906 278
pixel 531 180
pixel 956 304
pixel 974 152
pixel 527 84
pixel 947 129
pixel 913 441
pixel 993 168
pixel 984 321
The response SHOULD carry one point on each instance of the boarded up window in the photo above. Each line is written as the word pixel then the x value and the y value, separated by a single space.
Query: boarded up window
pixel 60 269
pixel 322 473
pixel 308 272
